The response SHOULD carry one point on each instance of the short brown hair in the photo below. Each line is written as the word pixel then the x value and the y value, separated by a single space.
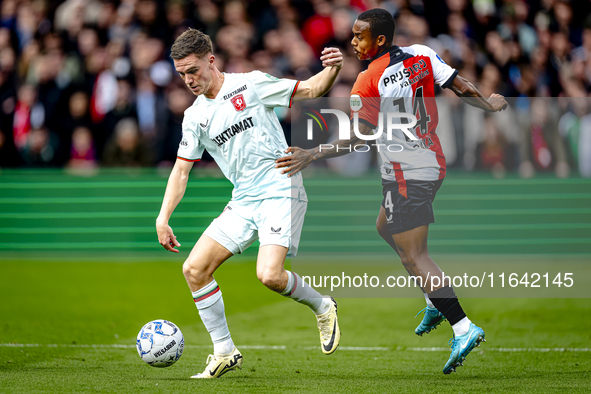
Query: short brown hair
pixel 191 41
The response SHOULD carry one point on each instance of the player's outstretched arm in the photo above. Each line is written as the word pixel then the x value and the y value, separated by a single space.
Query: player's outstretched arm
pixel 175 190
pixel 472 96
pixel 320 84
pixel 301 158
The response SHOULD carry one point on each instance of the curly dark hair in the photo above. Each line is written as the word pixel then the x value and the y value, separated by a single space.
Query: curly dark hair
pixel 381 23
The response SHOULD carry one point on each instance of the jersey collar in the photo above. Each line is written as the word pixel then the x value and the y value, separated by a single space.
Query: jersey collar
pixel 394 52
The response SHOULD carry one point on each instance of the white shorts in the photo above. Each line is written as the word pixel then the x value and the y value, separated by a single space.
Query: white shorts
pixel 274 221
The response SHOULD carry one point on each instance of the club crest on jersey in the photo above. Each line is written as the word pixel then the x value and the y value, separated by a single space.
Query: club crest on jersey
pixel 238 102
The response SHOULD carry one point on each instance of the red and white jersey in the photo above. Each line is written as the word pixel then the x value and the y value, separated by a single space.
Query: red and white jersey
pixel 403 80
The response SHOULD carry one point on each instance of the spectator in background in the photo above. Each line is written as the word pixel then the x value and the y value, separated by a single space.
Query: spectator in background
pixel 176 16
pixel 494 153
pixel 341 20
pixel 3 149
pixel 317 30
pixel 147 69
pixel 179 100
pixel 273 46
pixel 27 114
pixel 514 26
pixel 541 147
pixel 575 127
pixel 234 40
pixel 82 152
pixel 584 148
pixel 207 12
pixel 75 116
pixel 8 10
pixel 7 54
pixel 42 148
pixel 126 148
pixel 581 57
pixel 124 27
pixel 125 107
pixel 151 19
pixel 563 16
pixel 8 155
pixel 104 91
pixel 559 56
pixel 468 122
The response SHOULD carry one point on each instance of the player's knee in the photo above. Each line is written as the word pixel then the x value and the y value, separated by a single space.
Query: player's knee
pixel 270 279
pixel 407 260
pixel 187 269
pixel 192 271
pixel 411 257
pixel 408 257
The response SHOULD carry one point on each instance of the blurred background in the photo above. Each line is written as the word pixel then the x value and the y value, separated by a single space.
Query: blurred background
pixel 91 112
pixel 89 83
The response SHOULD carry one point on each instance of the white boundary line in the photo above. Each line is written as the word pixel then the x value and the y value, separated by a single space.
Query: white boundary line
pixel 346 348
pixel 506 349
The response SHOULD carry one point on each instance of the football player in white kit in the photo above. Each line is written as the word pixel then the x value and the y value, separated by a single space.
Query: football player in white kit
pixel 233 119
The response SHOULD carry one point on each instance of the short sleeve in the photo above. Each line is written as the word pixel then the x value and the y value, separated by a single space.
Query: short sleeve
pixel 272 91
pixel 443 74
pixel 190 149
pixel 365 99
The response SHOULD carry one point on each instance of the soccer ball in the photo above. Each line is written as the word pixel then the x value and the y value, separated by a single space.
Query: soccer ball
pixel 160 343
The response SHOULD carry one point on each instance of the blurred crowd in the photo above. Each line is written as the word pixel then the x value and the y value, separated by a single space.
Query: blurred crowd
pixel 88 83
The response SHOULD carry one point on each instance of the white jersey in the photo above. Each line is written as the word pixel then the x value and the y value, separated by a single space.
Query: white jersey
pixel 241 132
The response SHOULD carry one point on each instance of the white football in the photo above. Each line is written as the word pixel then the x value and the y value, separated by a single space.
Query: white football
pixel 160 343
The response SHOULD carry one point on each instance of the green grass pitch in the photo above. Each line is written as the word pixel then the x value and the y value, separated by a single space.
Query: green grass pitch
pixel 105 303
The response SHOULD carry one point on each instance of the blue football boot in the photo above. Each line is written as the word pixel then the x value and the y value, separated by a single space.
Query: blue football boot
pixel 430 321
pixel 462 346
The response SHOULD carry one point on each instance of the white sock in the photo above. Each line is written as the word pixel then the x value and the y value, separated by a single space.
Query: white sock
pixel 224 347
pixel 429 303
pixel 461 327
pixel 324 307
pixel 298 290
pixel 210 304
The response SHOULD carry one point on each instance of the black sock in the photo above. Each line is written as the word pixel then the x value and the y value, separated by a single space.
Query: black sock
pixel 447 303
